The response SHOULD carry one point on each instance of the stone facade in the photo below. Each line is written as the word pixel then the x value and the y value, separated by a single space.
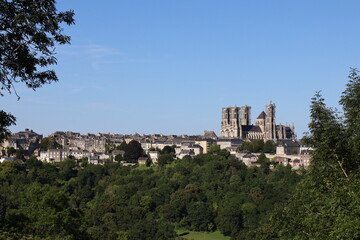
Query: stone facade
pixel 236 123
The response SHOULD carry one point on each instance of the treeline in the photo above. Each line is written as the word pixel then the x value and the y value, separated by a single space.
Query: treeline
pixel 258 146
pixel 206 193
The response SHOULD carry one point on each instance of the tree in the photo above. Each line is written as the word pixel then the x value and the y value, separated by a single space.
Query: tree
pixel 168 149
pixel 230 217
pixel 214 149
pixel 350 100
pixel 133 151
pixel 200 216
pixel 10 151
pixel 122 146
pixel 165 159
pixel 325 204
pixel 119 158
pixel 49 143
pixel 6 120
pixel 109 146
pixel 246 146
pixel 46 214
pixel 269 147
pixel 29 31
pixel 258 146
pixel 19 154
pixel 67 167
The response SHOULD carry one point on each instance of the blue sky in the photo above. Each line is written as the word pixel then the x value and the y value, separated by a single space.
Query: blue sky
pixel 170 66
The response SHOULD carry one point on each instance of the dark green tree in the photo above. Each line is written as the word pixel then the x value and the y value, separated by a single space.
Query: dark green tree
pixel 10 151
pixel 230 217
pixel 246 146
pixel 164 159
pixel 67 168
pixel 20 154
pixel 6 120
pixel 258 146
pixel 46 213
pixel 29 32
pixel 214 149
pixel 133 151
pixel 119 158
pixel 122 146
pixel 168 149
pixel 350 100
pixel 200 217
pixel 325 203
pixel 269 147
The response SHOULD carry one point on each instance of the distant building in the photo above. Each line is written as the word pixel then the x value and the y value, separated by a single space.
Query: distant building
pixel 290 147
pixel 229 142
pixel 236 123
pixel 27 140
pixel 188 149
pixel 154 155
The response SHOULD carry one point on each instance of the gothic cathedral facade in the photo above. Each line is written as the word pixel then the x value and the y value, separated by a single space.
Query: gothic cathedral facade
pixel 236 123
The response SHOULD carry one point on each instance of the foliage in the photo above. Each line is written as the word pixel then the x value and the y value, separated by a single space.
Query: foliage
pixel 248 146
pixel 168 150
pixel 122 146
pixel 214 149
pixel 205 193
pixel 193 235
pixel 209 192
pixel 10 151
pixel 29 31
pixel 133 151
pixel 119 158
pixel 325 204
pixel 6 120
pixel 258 146
pixel 49 143
pixel 164 159
pixel 269 147
pixel 19 154
pixel 109 146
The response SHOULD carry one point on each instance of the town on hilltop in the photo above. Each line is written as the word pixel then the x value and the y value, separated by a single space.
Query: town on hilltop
pixel 241 139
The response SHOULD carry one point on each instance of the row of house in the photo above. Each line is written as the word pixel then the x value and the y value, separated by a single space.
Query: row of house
pixel 26 140
pixel 295 161
pixel 93 146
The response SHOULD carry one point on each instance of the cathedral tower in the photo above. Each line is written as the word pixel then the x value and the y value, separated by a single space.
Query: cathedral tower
pixel 270 125
pixel 260 121
pixel 230 125
pixel 245 115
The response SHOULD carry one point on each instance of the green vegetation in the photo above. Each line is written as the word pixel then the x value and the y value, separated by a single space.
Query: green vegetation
pixel 191 235
pixel 325 204
pixel 133 151
pixel 207 193
pixel 258 146
pixel 49 143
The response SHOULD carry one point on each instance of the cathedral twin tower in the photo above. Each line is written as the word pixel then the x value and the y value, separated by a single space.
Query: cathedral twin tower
pixel 236 123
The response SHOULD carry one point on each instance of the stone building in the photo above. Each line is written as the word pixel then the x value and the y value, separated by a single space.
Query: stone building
pixel 236 123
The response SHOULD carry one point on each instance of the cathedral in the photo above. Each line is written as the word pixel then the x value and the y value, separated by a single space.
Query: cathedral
pixel 236 123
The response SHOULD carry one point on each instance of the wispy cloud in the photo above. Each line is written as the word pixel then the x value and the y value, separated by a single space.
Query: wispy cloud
pixel 98 55
pixel 92 50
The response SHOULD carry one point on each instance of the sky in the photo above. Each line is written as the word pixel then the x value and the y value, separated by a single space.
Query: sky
pixel 170 66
